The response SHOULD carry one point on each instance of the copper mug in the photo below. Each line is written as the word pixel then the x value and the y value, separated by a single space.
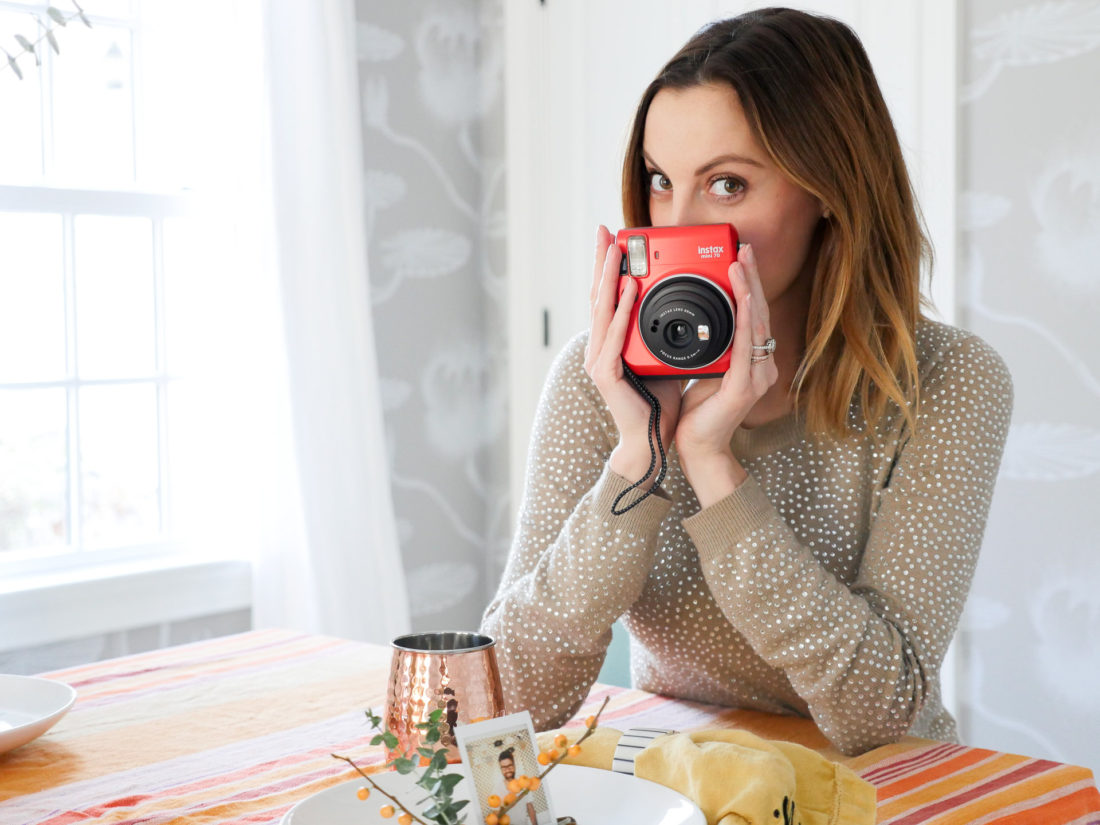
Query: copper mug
pixel 452 671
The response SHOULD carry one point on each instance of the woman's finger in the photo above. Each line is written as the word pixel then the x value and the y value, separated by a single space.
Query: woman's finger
pixel 611 354
pixel 607 294
pixel 603 241
pixel 741 351
pixel 747 257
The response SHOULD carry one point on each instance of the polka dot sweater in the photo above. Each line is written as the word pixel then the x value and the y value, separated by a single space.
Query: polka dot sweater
pixel 827 585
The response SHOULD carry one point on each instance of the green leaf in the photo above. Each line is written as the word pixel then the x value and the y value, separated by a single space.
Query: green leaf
pixel 432 736
pixel 390 740
pixel 439 761
pixel 404 766
pixel 25 43
pixel 15 67
pixel 430 812
pixel 377 740
pixel 450 780
pixel 458 806
pixel 83 19
pixel 427 753
pixel 53 41
pixel 56 16
pixel 435 716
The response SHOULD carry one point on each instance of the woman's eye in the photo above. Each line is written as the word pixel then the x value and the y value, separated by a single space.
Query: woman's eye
pixel 725 187
pixel 659 183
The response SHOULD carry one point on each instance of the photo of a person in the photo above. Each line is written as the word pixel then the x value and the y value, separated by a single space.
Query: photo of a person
pixel 496 752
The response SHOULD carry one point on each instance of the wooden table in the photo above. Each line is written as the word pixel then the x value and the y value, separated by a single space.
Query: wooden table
pixel 238 729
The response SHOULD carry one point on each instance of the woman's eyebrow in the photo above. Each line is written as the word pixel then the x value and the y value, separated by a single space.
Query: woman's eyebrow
pixel 706 167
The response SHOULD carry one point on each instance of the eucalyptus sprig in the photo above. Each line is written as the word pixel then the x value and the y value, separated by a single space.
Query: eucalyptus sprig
pixel 57 18
pixel 434 779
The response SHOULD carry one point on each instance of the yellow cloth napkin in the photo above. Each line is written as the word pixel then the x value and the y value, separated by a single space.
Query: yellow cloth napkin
pixel 738 778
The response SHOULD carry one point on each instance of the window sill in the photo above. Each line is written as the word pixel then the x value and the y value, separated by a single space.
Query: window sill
pixel 42 609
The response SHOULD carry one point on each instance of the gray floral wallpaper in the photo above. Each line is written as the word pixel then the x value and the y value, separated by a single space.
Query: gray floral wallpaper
pixel 1030 285
pixel 431 73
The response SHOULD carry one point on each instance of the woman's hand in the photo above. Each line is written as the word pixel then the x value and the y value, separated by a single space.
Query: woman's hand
pixel 713 408
pixel 603 363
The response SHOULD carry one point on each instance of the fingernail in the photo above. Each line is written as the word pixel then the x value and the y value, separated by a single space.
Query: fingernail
pixel 746 253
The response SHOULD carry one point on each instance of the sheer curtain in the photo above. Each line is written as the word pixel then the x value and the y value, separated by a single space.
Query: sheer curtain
pixel 329 559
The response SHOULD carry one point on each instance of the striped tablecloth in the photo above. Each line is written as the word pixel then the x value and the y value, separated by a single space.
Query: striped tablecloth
pixel 238 729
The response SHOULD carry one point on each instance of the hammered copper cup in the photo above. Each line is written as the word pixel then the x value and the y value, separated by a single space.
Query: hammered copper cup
pixel 452 671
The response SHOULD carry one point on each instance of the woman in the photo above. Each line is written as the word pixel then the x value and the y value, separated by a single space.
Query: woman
pixel 812 547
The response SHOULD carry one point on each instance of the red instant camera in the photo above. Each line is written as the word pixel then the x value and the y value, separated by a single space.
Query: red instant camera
pixel 681 325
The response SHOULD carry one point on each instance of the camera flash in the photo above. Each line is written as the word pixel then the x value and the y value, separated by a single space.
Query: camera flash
pixel 635 252
pixel 703 332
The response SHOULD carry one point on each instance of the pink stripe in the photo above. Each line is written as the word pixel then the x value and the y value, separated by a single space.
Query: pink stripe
pixel 1025 771
pixel 198 679
pixel 881 773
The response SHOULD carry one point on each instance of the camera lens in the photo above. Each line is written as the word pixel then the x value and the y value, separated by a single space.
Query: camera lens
pixel 674 310
pixel 678 333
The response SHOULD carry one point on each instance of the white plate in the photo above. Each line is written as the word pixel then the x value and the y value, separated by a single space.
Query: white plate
pixel 29 707
pixel 590 795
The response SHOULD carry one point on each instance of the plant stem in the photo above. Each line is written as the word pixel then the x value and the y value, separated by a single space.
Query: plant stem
pixel 379 788
pixel 46 33
pixel 561 758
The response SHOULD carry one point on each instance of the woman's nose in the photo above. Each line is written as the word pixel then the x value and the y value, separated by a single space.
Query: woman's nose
pixel 685 211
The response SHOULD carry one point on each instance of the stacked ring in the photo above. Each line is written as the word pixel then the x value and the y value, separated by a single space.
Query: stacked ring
pixel 762 352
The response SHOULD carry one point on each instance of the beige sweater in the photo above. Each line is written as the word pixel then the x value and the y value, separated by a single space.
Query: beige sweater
pixel 828 585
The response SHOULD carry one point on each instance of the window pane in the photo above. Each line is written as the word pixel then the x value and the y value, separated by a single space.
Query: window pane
pixel 32 455
pixel 32 298
pixel 119 456
pixel 21 137
pixel 93 108
pixel 115 308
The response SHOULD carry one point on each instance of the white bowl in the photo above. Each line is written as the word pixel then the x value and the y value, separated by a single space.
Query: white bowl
pixel 29 707
pixel 593 797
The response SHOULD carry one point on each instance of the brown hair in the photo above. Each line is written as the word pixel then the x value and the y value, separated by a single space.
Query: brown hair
pixel 812 101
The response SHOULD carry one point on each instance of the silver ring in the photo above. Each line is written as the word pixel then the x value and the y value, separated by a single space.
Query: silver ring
pixel 768 347
pixel 758 359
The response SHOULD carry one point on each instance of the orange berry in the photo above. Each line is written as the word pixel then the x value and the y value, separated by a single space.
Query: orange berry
pixel 590 722
pixel 405 819
pixel 492 819
pixel 535 782
pixel 505 819
pixel 494 801
pixel 386 811
pixel 509 799
pixel 554 754
pixel 544 758
pixel 574 750
pixel 363 793
pixel 515 786
pixel 560 740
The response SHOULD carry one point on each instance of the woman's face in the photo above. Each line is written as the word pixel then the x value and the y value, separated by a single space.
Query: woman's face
pixel 705 166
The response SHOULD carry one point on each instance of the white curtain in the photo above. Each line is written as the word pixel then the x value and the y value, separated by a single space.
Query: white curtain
pixel 329 562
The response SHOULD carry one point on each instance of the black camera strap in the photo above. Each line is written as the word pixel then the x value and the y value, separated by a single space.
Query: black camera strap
pixel 654 430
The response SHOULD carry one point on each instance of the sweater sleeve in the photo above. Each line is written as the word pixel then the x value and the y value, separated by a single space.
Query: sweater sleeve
pixel 864 656
pixel 573 568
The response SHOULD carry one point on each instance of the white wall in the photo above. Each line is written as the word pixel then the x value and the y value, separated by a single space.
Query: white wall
pixel 1030 215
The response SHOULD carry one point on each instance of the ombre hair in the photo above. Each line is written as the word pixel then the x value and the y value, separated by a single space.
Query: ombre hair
pixel 812 101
